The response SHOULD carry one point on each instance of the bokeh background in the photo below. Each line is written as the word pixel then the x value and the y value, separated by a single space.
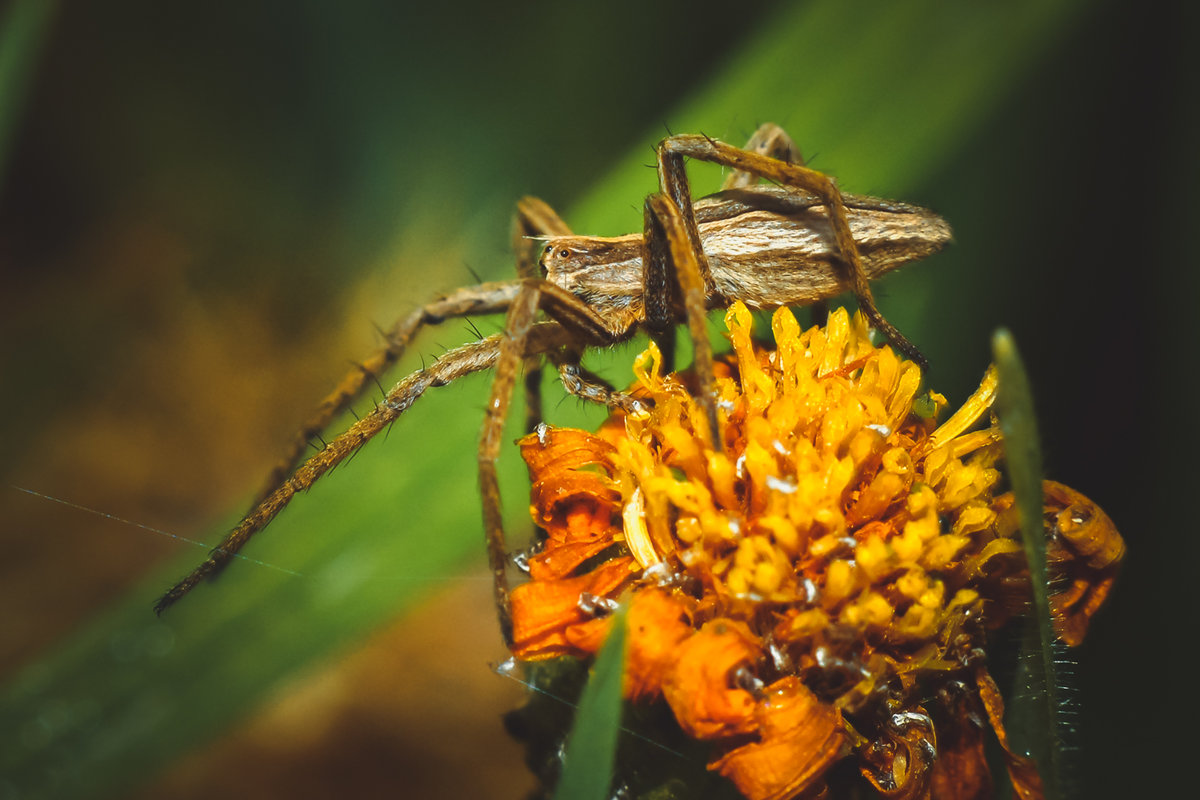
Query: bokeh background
pixel 206 211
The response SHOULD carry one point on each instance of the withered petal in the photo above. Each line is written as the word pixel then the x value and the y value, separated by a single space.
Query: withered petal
pixel 543 611
pixel 699 686
pixel 658 622
pixel 961 770
pixel 900 764
pixel 1083 552
pixel 554 450
pixel 799 739
pixel 561 560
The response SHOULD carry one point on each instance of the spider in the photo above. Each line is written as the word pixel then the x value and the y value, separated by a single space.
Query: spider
pixel 796 242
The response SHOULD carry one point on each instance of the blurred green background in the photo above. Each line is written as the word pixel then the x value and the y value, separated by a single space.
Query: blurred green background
pixel 205 212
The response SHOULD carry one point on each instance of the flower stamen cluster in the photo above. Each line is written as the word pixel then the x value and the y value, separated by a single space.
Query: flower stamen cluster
pixel 800 591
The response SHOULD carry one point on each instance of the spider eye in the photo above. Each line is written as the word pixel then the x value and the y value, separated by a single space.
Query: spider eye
pixel 564 253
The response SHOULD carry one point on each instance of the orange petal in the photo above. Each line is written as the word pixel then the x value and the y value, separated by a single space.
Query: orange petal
pixel 1084 527
pixel 560 560
pixel 1083 551
pixel 576 505
pixel 658 623
pixel 799 739
pixel 560 449
pixel 569 502
pixel 700 687
pixel 544 611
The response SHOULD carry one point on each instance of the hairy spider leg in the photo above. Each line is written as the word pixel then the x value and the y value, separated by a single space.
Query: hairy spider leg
pixel 588 385
pixel 675 269
pixel 673 181
pixel 671 260
pixel 587 329
pixel 771 141
pixel 533 218
pixel 464 360
pixel 486 298
pixel 774 142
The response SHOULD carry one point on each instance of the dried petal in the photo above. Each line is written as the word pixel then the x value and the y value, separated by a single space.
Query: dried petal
pixel 544 611
pixel 701 687
pixel 658 623
pixel 799 738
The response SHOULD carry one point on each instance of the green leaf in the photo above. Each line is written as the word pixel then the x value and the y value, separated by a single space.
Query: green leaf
pixel 592 746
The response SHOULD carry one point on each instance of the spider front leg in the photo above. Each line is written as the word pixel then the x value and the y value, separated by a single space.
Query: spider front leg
pixel 673 180
pixel 591 387
pixel 587 328
pixel 675 272
pixel 486 298
pixel 461 361
pixel 533 218
pixel 542 337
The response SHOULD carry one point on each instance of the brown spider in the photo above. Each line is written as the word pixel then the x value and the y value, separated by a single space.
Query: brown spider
pixel 795 243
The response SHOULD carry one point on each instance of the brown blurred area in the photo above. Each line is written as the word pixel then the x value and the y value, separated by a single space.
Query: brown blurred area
pixel 134 438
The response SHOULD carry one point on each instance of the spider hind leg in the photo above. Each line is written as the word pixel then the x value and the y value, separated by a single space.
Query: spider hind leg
pixel 673 180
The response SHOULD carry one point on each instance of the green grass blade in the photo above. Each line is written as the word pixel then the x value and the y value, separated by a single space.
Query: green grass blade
pixel 592 745
pixel 1036 709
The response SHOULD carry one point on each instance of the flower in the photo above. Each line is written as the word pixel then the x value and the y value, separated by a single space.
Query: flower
pixel 814 583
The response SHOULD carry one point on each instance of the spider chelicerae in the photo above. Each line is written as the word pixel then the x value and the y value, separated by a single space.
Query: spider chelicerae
pixel 795 240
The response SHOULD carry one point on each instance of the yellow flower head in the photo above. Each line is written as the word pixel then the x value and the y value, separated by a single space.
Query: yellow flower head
pixel 797 589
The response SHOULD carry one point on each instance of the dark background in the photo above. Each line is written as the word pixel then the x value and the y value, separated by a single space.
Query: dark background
pixel 204 211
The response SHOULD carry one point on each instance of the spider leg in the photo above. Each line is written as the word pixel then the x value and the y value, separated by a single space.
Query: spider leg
pixel 769 140
pixel 672 260
pixel 774 142
pixel 676 269
pixel 486 298
pixel 461 361
pixel 588 385
pixel 586 328
pixel 673 180
pixel 534 219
